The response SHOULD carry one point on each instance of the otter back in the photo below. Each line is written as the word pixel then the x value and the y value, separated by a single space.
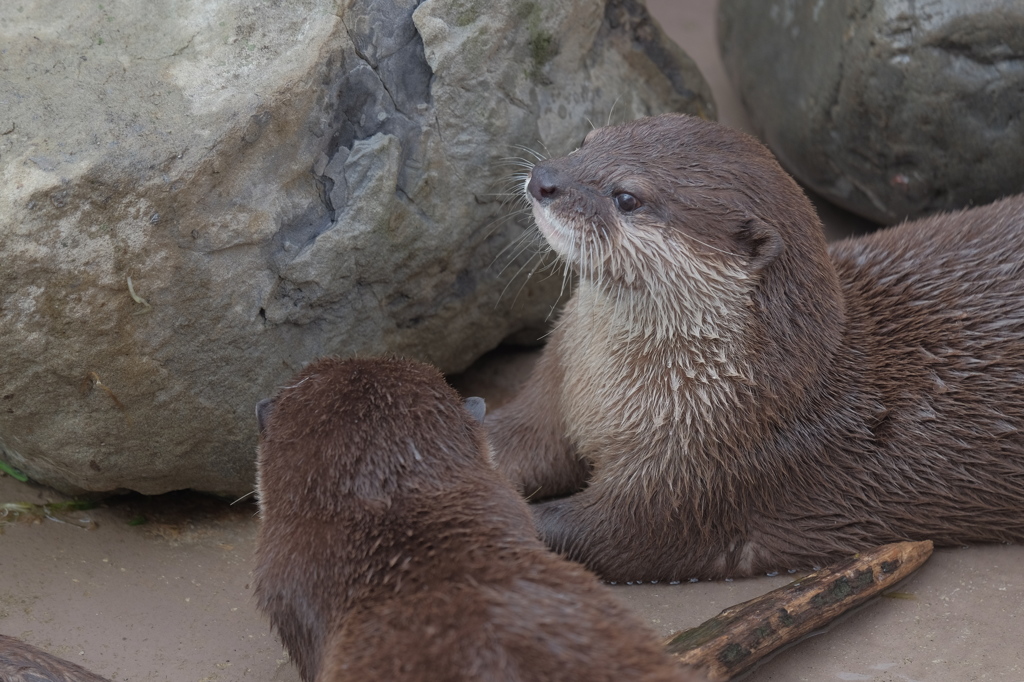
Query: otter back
pixel 391 549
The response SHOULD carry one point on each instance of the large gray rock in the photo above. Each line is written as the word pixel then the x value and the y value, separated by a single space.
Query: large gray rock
pixel 279 181
pixel 890 108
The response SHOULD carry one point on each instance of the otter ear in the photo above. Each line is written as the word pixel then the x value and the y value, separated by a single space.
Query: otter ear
pixel 476 407
pixel 761 241
pixel 263 410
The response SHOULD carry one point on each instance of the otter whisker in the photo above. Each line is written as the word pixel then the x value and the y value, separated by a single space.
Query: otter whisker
pixel 612 110
pixel 519 272
pixel 512 189
pixel 540 267
pixel 243 497
pixel 519 160
pixel 532 262
pixel 505 196
pixel 513 182
pixel 526 280
pixel 490 228
pixel 568 269
pixel 565 281
pixel 532 152
pixel 519 246
pixel 286 388
pixel 523 166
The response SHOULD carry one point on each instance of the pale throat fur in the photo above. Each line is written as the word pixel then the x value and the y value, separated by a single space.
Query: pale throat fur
pixel 658 355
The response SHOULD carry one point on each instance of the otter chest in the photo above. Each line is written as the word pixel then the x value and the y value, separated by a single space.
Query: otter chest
pixel 624 388
pixel 618 397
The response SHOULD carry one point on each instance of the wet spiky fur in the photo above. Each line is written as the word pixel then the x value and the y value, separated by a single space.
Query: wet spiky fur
pixel 391 549
pixel 20 662
pixel 725 395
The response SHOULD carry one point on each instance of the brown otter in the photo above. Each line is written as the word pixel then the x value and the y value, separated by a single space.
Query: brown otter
pixel 20 662
pixel 726 395
pixel 391 549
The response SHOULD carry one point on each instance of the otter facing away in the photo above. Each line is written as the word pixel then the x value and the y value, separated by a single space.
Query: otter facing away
pixel 726 395
pixel 21 662
pixel 391 549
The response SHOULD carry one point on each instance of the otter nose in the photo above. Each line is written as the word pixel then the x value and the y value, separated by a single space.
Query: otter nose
pixel 543 184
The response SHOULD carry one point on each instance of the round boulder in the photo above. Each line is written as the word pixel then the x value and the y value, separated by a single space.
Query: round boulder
pixel 889 108
pixel 201 197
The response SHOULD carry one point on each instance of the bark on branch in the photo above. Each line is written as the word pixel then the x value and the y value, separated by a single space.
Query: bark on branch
pixel 734 641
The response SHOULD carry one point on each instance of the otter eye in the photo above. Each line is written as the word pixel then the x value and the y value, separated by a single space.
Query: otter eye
pixel 626 202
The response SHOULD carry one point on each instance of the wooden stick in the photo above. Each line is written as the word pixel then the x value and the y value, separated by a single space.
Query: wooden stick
pixel 734 641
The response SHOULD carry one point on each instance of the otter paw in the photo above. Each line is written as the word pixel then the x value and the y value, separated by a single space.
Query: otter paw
pixel 552 521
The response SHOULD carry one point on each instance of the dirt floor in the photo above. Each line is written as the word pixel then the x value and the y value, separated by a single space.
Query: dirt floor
pixel 158 589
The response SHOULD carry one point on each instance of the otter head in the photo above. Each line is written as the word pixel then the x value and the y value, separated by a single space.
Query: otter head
pixel 646 199
pixel 365 429
pixel 697 228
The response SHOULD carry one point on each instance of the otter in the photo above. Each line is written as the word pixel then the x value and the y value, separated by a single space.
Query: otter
pixel 21 662
pixel 726 395
pixel 390 548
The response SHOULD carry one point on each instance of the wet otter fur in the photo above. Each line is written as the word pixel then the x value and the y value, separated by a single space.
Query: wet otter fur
pixel 21 662
pixel 391 549
pixel 726 395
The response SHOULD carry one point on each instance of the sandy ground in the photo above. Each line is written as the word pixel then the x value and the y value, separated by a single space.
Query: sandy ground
pixel 159 588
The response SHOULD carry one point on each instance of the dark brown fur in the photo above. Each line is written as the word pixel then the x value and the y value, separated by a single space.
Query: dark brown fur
pixel 20 662
pixel 840 397
pixel 390 548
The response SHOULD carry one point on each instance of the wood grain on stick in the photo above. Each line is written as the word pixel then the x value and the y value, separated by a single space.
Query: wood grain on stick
pixel 734 641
